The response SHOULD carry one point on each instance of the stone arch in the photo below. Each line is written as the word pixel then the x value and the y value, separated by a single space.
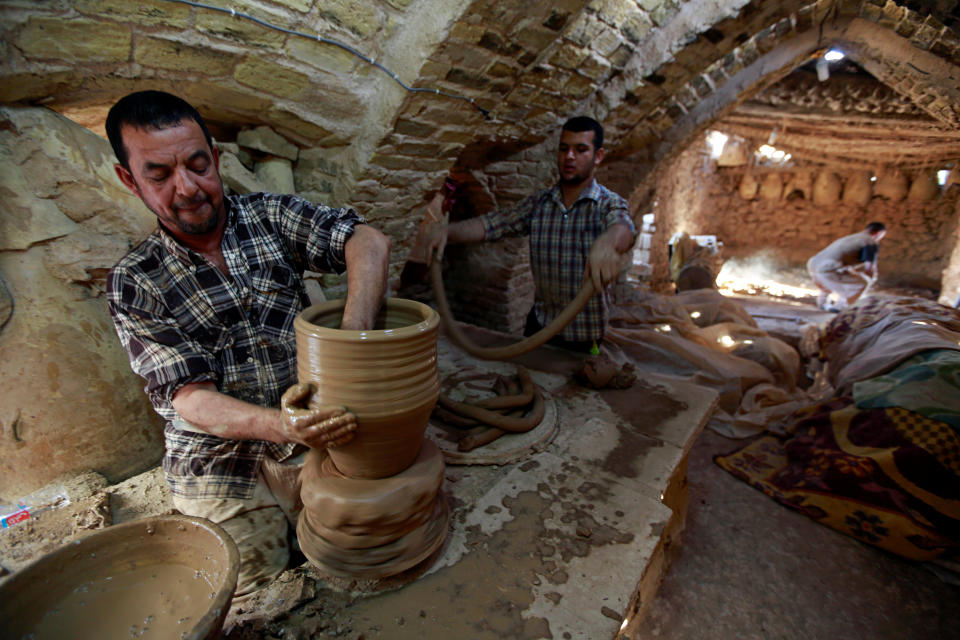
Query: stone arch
pixel 925 78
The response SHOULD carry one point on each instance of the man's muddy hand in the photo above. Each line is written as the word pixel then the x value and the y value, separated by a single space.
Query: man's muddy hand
pixel 321 427
pixel 432 238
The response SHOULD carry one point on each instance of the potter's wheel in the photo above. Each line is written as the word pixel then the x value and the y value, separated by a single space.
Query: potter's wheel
pixel 473 383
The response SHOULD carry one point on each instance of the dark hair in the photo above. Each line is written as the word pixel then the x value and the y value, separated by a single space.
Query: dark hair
pixel 148 110
pixel 876 227
pixel 586 123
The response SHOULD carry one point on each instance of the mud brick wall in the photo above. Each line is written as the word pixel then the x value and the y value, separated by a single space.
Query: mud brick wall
pixel 702 199
pixel 914 251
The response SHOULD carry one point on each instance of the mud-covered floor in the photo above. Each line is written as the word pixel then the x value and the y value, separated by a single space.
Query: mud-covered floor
pixel 747 567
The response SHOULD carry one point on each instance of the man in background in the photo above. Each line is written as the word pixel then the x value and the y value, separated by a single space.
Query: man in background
pixel 578 230
pixel 847 268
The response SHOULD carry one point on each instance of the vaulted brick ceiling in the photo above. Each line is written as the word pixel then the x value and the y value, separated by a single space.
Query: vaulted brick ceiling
pixel 656 72
pixel 849 121
pixel 658 77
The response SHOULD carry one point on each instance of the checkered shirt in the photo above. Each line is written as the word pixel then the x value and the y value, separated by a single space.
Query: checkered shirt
pixel 560 241
pixel 181 320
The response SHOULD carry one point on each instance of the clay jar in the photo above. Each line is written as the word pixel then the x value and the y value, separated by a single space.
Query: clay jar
pixel 386 376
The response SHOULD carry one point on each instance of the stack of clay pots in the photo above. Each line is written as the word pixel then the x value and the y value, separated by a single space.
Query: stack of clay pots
pixel 373 507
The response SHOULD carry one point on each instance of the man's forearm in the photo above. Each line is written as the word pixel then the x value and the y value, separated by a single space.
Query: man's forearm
pixel 606 257
pixel 621 237
pixel 466 231
pixel 367 255
pixel 224 416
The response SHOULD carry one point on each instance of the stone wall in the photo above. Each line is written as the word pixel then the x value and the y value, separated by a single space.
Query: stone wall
pixel 68 399
pixel 491 285
pixel 80 56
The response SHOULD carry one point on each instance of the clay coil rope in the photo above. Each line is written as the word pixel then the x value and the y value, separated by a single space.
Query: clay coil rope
pixel 509 399
pixel 515 424
pixel 484 435
pixel 482 425
pixel 453 419
pixel 511 350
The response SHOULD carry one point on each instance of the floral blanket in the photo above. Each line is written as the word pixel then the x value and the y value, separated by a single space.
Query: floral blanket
pixel 881 464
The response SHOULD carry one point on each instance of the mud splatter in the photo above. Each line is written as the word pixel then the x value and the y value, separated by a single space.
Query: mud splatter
pixel 639 419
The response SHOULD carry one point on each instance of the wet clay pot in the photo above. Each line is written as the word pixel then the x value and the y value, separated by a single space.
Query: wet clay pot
pixel 162 577
pixel 358 528
pixel 386 376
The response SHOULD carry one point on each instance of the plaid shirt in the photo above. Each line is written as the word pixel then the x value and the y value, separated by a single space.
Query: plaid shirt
pixel 560 241
pixel 181 320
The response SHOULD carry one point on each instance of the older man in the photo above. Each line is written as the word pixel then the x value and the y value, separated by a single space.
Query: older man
pixel 204 308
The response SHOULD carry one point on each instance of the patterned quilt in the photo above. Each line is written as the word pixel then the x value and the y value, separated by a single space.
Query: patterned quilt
pixel 881 464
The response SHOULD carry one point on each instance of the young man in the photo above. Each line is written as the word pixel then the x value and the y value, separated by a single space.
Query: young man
pixel 205 307
pixel 848 267
pixel 578 229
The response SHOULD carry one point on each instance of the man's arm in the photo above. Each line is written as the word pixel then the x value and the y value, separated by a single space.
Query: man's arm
pixel 606 258
pixel 367 255
pixel 224 416
pixel 439 234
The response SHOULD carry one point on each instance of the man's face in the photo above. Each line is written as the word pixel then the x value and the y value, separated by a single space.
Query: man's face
pixel 176 174
pixel 576 157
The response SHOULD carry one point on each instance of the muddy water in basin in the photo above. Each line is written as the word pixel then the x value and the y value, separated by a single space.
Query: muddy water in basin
pixel 169 577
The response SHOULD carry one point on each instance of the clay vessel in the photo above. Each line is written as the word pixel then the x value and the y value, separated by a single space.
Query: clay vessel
pixel 772 187
pixel 748 187
pixel 924 187
pixel 386 376
pixel 891 185
pixel 858 188
pixel 162 577
pixel 827 188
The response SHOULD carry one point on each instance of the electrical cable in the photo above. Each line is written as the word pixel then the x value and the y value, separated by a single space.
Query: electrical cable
pixel 318 38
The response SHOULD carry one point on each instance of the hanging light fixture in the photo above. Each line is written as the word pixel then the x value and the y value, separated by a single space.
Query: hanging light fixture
pixel 823 70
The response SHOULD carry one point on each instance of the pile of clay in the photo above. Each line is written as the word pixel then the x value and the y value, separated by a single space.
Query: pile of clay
pixel 372 528
pixel 516 407
pixel 373 508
